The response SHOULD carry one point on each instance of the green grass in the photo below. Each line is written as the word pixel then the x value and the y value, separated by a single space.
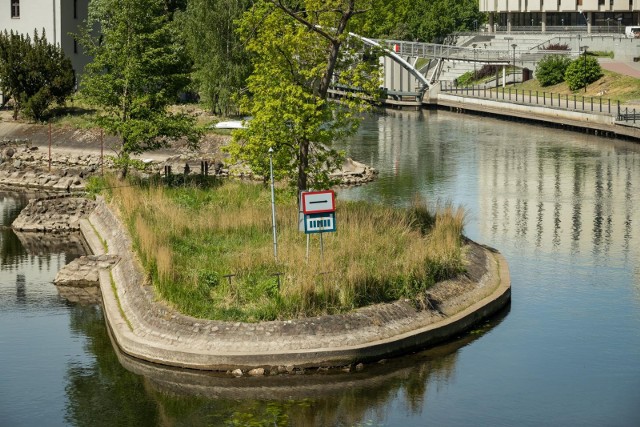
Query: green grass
pixel 612 86
pixel 190 238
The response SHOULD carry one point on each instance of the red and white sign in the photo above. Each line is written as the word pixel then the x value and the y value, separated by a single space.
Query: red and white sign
pixel 318 202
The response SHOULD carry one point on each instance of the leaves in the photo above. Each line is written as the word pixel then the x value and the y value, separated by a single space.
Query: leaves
pixel 551 69
pixel 288 90
pixel 34 73
pixel 582 71
pixel 139 67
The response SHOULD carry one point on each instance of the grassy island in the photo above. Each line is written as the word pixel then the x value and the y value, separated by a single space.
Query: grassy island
pixel 209 251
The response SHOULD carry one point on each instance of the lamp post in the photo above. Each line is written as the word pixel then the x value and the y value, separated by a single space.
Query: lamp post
pixel 514 46
pixel 585 67
pixel 273 206
pixel 474 60
pixel 475 25
pixel 608 20
pixel 619 23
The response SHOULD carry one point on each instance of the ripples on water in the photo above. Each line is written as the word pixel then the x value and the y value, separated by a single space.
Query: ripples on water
pixel 562 206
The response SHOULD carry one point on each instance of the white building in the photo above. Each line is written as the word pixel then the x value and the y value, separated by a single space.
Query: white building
pixel 58 18
pixel 592 15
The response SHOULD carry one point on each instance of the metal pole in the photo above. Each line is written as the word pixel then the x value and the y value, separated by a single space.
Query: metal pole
pixel 49 146
pixel 102 151
pixel 273 206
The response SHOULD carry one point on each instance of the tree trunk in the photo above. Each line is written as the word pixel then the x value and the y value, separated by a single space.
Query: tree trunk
pixel 303 163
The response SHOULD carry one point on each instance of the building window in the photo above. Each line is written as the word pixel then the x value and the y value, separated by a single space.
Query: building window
pixel 75 9
pixel 75 46
pixel 15 8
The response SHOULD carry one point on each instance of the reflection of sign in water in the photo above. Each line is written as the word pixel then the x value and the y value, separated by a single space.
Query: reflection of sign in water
pixel 320 223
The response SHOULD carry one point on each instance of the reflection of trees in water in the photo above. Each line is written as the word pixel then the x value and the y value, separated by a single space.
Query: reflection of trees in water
pixel 101 393
pixel 335 398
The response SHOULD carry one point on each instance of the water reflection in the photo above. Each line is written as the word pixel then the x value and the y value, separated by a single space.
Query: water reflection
pixel 316 399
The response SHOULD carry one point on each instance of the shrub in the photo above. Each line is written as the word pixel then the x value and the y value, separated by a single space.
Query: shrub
pixel 551 69
pixel 556 46
pixel 582 71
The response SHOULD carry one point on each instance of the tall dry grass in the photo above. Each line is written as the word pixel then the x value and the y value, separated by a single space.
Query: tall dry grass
pixel 191 240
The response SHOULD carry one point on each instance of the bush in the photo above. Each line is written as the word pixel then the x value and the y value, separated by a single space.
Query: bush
pixel 551 69
pixel 556 46
pixel 582 71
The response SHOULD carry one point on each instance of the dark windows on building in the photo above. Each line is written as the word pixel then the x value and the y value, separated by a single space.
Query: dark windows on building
pixel 15 8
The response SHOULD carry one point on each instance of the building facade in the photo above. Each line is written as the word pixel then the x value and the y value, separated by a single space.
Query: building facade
pixel 593 15
pixel 58 18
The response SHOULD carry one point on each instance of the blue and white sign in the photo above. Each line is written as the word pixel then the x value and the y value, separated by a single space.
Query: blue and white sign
pixel 320 223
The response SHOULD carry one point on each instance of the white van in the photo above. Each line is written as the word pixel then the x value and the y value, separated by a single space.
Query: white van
pixel 632 32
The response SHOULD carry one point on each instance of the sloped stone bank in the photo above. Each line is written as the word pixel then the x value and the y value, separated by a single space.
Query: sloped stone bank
pixel 53 214
pixel 148 329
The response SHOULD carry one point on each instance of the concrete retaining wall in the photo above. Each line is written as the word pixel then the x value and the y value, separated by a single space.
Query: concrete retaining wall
pixel 148 329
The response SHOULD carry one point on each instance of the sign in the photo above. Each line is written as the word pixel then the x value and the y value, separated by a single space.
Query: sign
pixel 320 223
pixel 318 202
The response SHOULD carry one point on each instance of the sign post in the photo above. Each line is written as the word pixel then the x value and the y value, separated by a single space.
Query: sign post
pixel 318 215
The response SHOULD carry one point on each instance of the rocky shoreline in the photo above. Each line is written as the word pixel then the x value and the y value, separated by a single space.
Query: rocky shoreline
pixel 24 164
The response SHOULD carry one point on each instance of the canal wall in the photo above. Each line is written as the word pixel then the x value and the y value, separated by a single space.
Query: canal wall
pixel 598 124
pixel 146 328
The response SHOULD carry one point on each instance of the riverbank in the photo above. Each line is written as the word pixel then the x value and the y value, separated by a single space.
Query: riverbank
pixel 586 115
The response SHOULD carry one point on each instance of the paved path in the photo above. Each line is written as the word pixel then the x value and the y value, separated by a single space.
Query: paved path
pixel 625 68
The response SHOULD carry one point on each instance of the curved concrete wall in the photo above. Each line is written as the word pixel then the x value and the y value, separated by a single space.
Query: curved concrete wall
pixel 148 329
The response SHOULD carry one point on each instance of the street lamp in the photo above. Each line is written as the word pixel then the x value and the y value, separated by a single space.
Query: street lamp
pixel 514 61
pixel 474 60
pixel 475 25
pixel 619 23
pixel 608 20
pixel 585 67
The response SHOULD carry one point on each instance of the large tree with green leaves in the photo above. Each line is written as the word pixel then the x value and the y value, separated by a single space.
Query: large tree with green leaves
pixel 221 64
pixel 139 67
pixel 299 49
pixel 433 20
pixel 33 73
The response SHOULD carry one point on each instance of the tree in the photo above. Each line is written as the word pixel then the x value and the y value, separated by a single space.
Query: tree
pixel 582 71
pixel 299 49
pixel 433 20
pixel 33 73
pixel 551 69
pixel 139 67
pixel 221 64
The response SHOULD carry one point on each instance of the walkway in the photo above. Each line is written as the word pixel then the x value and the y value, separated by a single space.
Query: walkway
pixel 625 68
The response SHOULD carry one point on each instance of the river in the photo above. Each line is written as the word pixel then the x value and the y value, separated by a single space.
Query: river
pixel 563 207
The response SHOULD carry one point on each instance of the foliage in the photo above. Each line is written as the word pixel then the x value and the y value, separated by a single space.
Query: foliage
pixel 296 55
pixel 582 71
pixel 432 21
pixel 34 73
pixel 556 46
pixel 221 64
pixel 551 69
pixel 471 77
pixel 385 19
pixel 139 66
pixel 191 239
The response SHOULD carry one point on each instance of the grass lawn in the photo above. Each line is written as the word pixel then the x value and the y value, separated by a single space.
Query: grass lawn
pixel 190 240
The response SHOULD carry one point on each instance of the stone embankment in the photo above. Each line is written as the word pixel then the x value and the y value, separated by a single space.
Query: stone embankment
pixel 148 329
pixel 53 214
pixel 23 164
pixel 79 282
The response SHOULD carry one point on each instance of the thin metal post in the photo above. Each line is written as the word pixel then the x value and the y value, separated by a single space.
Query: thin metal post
pixel 321 250
pixel 273 206
pixel 49 146
pixel 102 151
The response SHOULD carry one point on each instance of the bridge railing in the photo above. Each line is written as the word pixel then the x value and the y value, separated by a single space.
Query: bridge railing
pixel 470 54
pixel 592 104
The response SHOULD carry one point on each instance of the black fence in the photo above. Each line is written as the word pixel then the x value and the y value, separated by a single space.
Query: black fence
pixel 592 105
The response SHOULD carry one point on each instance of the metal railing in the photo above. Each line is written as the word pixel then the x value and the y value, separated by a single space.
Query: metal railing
pixel 591 105
pixel 627 116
